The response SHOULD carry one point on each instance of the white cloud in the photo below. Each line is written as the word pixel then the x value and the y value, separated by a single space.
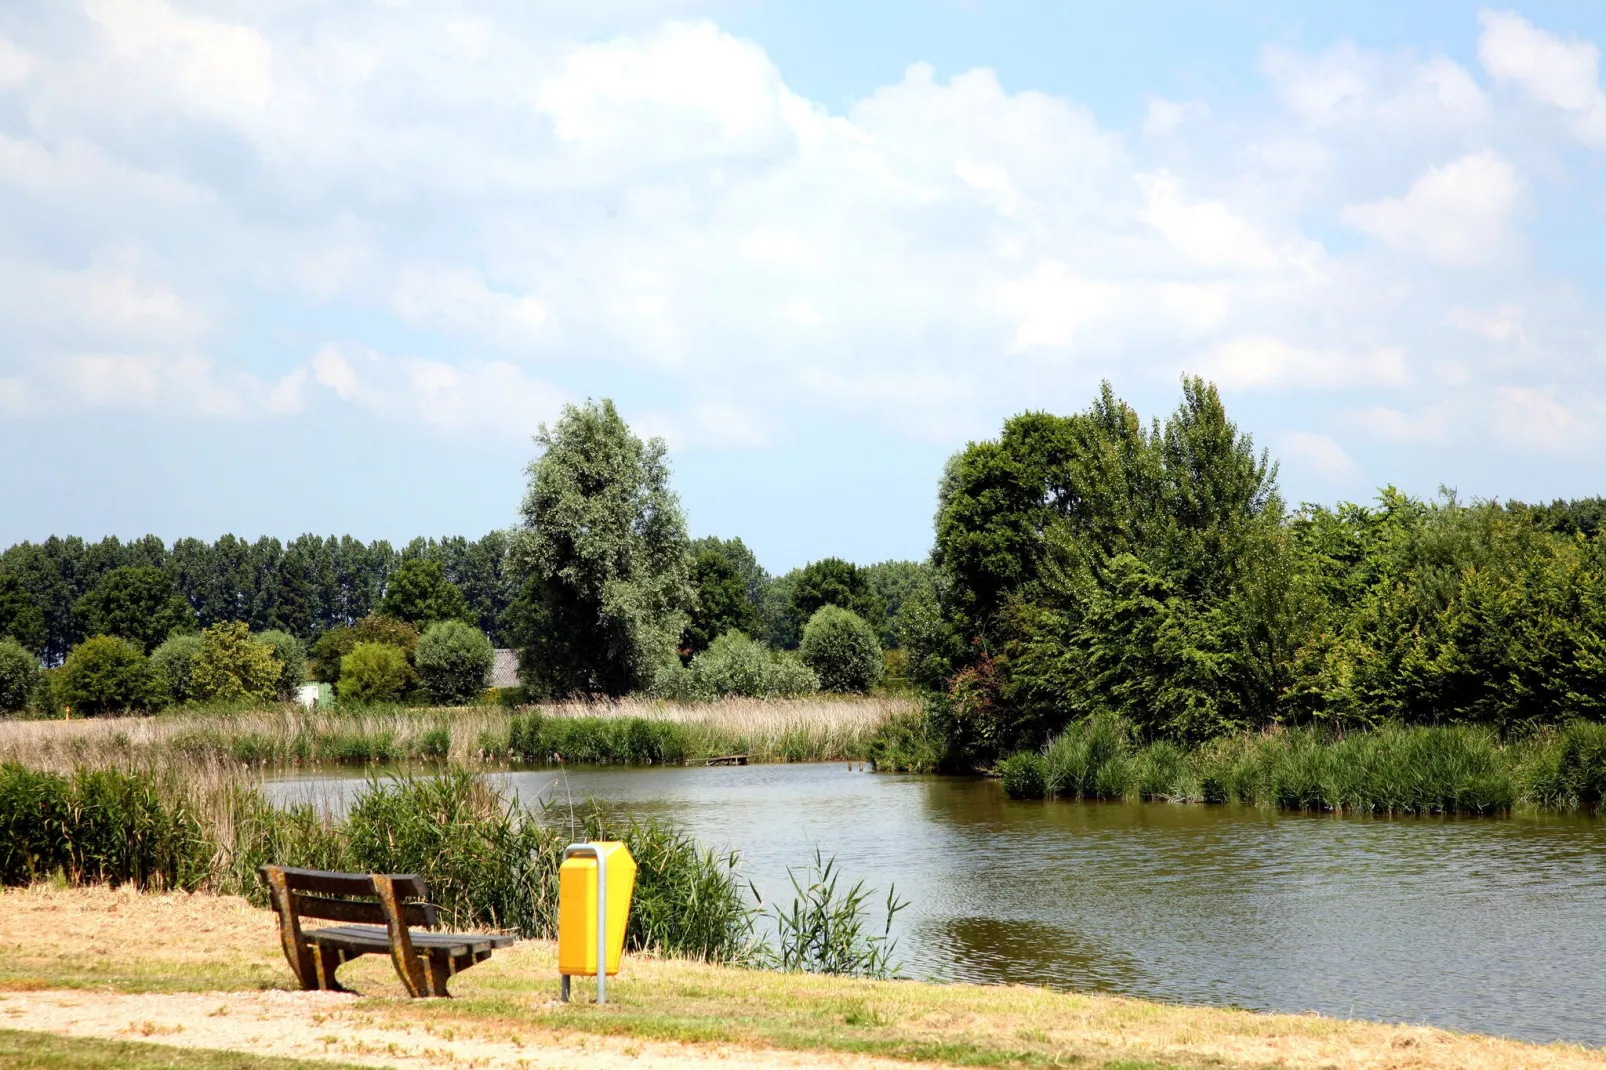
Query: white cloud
pixel 1457 215
pixel 1207 232
pixel 1498 324
pixel 17 396
pixel 1391 425
pixel 1167 116
pixel 1536 420
pixel 204 64
pixel 1347 86
pixel 1265 363
pixel 331 368
pixel 1319 453
pixel 458 299
pixel 1560 72
pixel 15 64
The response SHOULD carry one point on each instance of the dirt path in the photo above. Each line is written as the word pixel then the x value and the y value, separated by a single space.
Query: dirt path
pixel 327 1025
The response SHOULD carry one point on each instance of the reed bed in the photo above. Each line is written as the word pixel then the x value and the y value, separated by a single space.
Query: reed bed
pixel 1447 769
pixel 821 729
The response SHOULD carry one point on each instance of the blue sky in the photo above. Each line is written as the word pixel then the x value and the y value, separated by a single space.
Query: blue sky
pixel 324 266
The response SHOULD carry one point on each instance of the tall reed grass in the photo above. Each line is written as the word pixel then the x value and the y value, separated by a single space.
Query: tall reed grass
pixel 1447 769
pixel 824 729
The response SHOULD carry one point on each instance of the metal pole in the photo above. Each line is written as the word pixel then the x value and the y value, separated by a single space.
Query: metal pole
pixel 602 917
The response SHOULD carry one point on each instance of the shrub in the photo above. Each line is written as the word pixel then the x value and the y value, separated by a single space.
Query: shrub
pixel 1025 775
pixel 454 661
pixel 107 673
pixel 373 672
pixel 19 675
pixel 733 664
pixel 825 930
pixel 174 662
pixel 842 650
pixel 292 654
pixel 336 643
pixel 233 666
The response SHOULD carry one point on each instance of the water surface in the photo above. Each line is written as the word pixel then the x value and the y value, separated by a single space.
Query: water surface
pixel 1490 925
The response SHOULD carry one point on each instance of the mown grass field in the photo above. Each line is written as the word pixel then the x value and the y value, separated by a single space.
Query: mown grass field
pixel 175 980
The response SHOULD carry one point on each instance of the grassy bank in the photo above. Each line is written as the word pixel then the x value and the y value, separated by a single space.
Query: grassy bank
pixel 1396 770
pixel 816 729
pixel 177 987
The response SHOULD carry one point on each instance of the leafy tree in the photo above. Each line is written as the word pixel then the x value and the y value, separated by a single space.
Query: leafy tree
pixel 232 666
pixel 782 627
pixel 835 582
pixel 899 584
pixel 419 593
pixel 293 608
pixel 19 675
pixel 292 655
pixel 454 661
pixel 734 664
pixel 721 603
pixel 20 619
pixel 174 662
pixel 602 555
pixel 136 602
pixel 753 575
pixel 336 643
pixel 373 672
pixel 842 649
pixel 107 673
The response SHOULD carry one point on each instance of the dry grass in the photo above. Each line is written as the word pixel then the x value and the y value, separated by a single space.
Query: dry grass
pixel 775 729
pixel 180 946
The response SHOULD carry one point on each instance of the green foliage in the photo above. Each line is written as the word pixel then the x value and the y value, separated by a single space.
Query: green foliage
pixel 835 582
pixel 106 674
pixel 454 661
pixel 842 649
pixel 20 619
pixel 1024 775
pixel 233 666
pixel 602 554
pixel 419 593
pixel 19 675
pixel 720 604
pixel 900 585
pixel 539 740
pixel 136 603
pixel 374 672
pixel 292 655
pixel 336 643
pixel 97 826
pixel 174 662
pixel 825 930
pixel 910 743
pixel 736 665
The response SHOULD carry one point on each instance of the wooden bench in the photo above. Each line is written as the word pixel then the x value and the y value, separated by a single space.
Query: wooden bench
pixel 424 961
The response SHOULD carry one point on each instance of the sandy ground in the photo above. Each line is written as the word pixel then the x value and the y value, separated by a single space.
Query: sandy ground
pixel 327 1025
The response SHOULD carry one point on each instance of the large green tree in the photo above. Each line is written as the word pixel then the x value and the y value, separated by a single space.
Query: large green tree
pixel 419 593
pixel 136 602
pixel 720 603
pixel 602 554
pixel 20 619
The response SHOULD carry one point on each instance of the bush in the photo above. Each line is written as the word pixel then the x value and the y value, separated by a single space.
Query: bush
pixel 336 643
pixel 1025 775
pixel 107 673
pixel 232 666
pixel 19 676
pixel 292 654
pixel 419 593
pixel 98 826
pixel 733 664
pixel 174 661
pixel 373 672
pixel 454 661
pixel 842 650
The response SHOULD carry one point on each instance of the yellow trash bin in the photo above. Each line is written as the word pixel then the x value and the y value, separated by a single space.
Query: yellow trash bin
pixel 584 936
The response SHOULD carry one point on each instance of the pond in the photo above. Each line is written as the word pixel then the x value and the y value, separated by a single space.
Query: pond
pixel 1488 925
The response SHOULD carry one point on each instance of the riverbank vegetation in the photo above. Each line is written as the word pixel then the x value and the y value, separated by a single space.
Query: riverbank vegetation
pixel 170 988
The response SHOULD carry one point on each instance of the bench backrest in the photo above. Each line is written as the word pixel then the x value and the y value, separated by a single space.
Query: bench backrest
pixel 361 899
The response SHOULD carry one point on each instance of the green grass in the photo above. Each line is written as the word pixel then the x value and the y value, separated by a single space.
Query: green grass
pixel 46 1051
pixel 1444 769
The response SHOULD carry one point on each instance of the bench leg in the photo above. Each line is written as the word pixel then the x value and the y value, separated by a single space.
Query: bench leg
pixel 440 971
pixel 325 961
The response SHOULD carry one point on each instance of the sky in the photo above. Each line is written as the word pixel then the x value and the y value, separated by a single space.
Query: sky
pixel 268 269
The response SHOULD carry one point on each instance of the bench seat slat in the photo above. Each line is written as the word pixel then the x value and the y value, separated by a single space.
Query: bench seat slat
pixel 366 912
pixel 377 938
